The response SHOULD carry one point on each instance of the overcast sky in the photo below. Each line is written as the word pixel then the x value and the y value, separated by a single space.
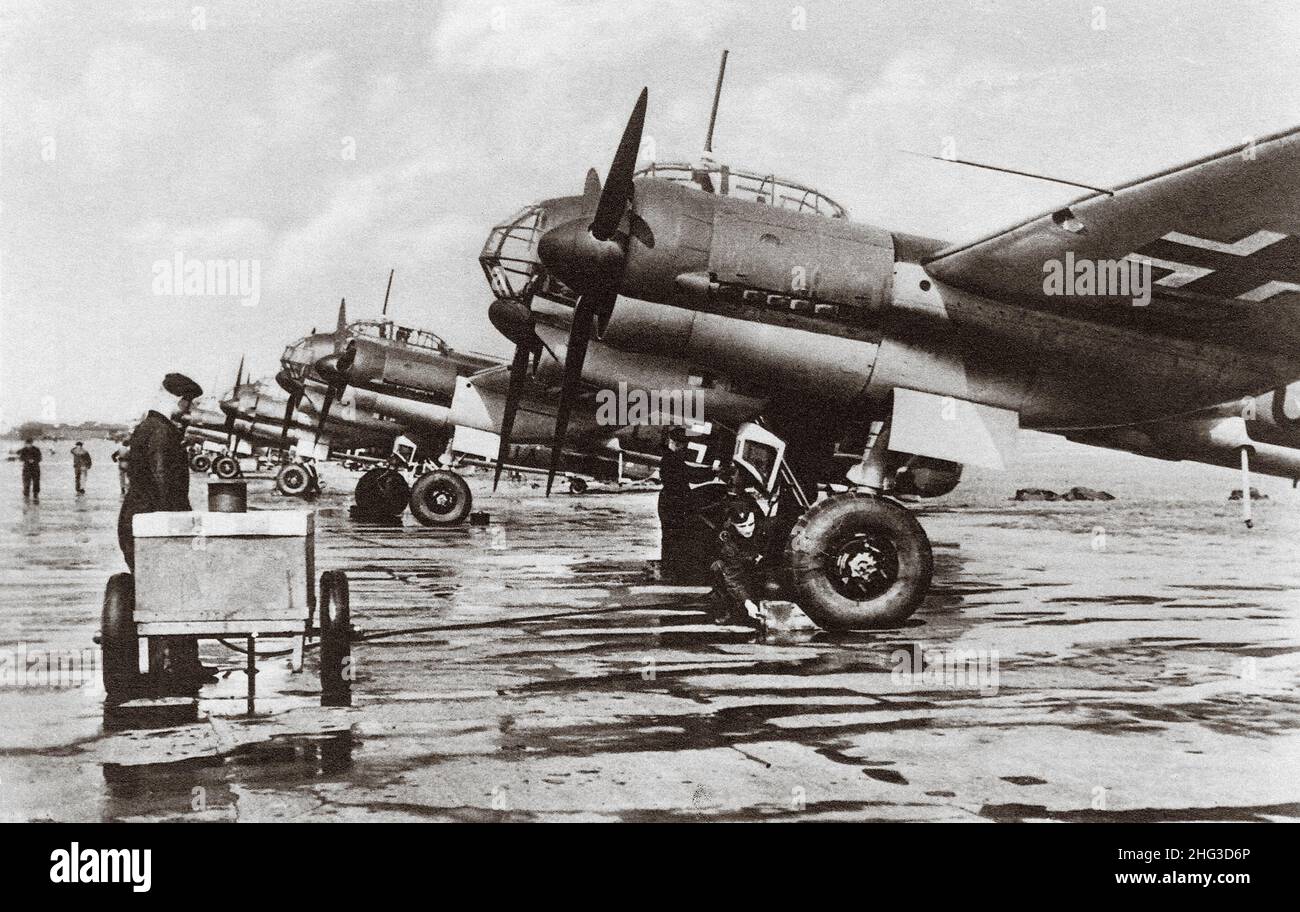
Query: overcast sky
pixel 333 141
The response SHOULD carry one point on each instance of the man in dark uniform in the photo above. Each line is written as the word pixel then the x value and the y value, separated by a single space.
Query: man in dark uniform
pixel 740 572
pixel 80 467
pixel 159 472
pixel 159 469
pixel 676 507
pixel 31 458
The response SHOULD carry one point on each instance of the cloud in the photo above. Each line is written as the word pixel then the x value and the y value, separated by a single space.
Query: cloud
pixel 303 97
pixel 237 237
pixel 125 99
pixel 554 35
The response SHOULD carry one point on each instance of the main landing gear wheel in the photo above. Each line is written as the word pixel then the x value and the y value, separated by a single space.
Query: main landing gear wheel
pixel 200 462
pixel 292 480
pixel 382 492
pixel 441 498
pixel 226 467
pixel 858 561
pixel 117 640
pixel 335 640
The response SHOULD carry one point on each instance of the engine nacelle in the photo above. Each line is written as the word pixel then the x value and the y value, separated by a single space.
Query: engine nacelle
pixel 922 476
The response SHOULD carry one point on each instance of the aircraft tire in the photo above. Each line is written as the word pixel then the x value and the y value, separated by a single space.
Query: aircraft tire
pixel 381 492
pixel 226 467
pixel 118 642
pixel 335 640
pixel 292 480
pixel 441 498
pixel 200 462
pixel 858 562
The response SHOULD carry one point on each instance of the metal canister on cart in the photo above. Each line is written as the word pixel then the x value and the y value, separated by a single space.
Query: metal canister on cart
pixel 228 496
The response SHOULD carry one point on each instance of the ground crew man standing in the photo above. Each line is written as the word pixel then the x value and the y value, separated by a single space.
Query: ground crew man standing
pixel 159 472
pixel 80 467
pixel 31 458
pixel 159 468
pixel 675 506
pixel 122 456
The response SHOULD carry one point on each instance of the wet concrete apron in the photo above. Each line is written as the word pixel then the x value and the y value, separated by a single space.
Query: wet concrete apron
pixel 1152 677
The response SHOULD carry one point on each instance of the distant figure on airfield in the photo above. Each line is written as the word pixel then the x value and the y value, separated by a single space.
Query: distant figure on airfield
pixel 80 467
pixel 122 456
pixel 31 459
pixel 159 470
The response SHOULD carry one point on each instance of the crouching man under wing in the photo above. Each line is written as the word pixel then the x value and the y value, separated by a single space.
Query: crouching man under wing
pixel 740 570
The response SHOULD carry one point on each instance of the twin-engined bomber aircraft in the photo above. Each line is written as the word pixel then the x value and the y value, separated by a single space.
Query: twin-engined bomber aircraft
pixel 917 352
pixel 437 398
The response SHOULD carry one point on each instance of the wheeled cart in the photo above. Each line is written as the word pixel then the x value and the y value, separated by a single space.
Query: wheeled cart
pixel 239 578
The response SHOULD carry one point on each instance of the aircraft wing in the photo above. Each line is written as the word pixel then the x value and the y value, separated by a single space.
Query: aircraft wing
pixel 1222 235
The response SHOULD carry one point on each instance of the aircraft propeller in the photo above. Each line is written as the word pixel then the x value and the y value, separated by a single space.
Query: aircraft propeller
pixel 232 436
pixel 345 353
pixel 590 258
pixel 293 386
pixel 514 320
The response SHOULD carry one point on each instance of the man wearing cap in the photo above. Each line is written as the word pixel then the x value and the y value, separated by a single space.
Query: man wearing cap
pixel 80 467
pixel 740 570
pixel 30 454
pixel 159 471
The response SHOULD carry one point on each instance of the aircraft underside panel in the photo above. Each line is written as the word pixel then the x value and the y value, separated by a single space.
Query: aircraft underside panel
pixel 1080 374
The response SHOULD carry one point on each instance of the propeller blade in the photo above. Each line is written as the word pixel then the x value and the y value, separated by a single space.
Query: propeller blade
pixel 290 406
pixel 518 371
pixel 589 307
pixel 341 327
pixel 239 374
pixel 591 191
pixel 384 312
pixel 348 358
pixel 617 193
pixel 325 410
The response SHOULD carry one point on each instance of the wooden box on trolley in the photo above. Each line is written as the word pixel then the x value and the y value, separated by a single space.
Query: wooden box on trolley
pixel 227 576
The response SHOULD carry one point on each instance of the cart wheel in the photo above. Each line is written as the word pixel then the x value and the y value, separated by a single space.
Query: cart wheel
pixel 226 467
pixel 200 462
pixel 335 640
pixel 117 639
pixel 577 486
